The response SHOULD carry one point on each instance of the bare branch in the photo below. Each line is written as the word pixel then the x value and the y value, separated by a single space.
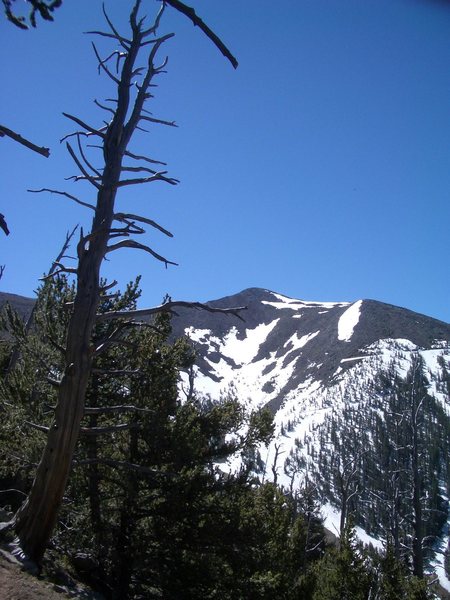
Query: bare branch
pixel 82 169
pixel 139 128
pixel 97 103
pixel 58 272
pixel 116 372
pixel 80 148
pixel 138 170
pixel 160 121
pixel 104 343
pixel 144 158
pixel 102 65
pixel 130 229
pixel 125 216
pixel 123 41
pixel 142 93
pixel 135 26
pixel 154 27
pixel 190 14
pixel 65 246
pixel 162 66
pixel 113 409
pixel 106 430
pixel 102 34
pixel 3 224
pixel 38 427
pixel 169 307
pixel 12 490
pixel 138 246
pixel 21 140
pixel 101 130
pixel 84 126
pixel 160 176
pixel 105 288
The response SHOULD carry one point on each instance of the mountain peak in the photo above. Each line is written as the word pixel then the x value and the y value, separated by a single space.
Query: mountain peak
pixel 285 342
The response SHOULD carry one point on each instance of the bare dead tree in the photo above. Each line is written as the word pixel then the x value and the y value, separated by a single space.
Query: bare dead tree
pixel 110 231
pixel 278 452
pixel 346 474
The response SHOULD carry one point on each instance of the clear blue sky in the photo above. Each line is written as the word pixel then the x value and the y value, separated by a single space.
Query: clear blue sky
pixel 319 169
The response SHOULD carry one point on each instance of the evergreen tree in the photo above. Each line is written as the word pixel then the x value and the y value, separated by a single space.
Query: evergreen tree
pixel 394 582
pixel 343 573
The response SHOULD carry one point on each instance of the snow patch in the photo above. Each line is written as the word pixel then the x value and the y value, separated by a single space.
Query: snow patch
pixel 243 351
pixel 344 360
pixel 299 304
pixel 348 321
pixel 297 342
pixel 332 521
pixel 197 335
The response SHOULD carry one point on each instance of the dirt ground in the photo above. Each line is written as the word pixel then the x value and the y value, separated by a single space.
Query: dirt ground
pixel 16 584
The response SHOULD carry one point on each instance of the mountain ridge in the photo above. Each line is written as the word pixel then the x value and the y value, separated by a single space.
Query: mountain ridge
pixel 340 379
pixel 335 375
pixel 319 321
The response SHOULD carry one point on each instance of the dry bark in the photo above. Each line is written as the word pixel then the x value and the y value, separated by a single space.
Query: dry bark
pixel 35 520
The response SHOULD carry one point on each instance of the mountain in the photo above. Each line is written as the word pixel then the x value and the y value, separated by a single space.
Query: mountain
pixel 350 385
pixel 360 394
pixel 21 304
pixel 284 343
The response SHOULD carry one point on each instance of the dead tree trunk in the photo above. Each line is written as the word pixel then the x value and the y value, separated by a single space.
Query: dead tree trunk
pixel 35 520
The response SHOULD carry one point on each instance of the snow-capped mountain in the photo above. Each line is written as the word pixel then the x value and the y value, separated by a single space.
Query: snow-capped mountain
pixel 360 394
pixel 348 383
pixel 283 345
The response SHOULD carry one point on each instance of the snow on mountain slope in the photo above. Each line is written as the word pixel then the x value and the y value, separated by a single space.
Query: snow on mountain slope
pixel 284 343
pixel 345 382
pixel 332 373
pixel 348 321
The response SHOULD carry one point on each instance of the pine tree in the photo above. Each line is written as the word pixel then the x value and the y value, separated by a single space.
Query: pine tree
pixel 342 574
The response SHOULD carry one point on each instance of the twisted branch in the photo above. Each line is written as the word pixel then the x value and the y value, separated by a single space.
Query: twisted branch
pixel 138 246
pixel 169 308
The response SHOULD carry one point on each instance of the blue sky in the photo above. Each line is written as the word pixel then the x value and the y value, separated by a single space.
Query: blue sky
pixel 320 169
